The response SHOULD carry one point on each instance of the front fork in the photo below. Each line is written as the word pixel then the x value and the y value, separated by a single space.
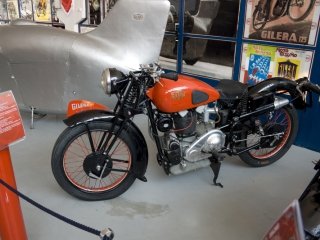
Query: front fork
pixel 154 132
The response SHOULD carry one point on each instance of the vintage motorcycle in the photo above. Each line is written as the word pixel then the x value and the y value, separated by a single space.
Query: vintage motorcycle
pixel 297 10
pixel 102 152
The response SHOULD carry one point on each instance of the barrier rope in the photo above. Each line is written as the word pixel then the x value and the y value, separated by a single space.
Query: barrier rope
pixel 106 234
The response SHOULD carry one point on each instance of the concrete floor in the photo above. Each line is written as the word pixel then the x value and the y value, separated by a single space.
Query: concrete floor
pixel 166 207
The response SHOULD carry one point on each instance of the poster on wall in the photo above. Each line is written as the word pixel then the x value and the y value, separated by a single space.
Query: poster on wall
pixel 290 21
pixel 26 9
pixel 42 10
pixel 3 10
pixel 94 12
pixel 260 62
pixel 13 10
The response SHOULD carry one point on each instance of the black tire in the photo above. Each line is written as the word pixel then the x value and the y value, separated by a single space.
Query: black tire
pixel 266 155
pixel 73 161
pixel 256 23
pixel 305 9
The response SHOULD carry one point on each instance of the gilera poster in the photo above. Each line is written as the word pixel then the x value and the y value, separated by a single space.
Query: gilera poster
pixel 291 21
pixel 260 62
pixel 42 10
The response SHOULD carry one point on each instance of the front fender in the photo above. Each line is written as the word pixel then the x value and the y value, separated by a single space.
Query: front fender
pixel 280 84
pixel 132 129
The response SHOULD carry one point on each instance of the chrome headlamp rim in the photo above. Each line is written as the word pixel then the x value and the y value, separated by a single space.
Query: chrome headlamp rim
pixel 106 81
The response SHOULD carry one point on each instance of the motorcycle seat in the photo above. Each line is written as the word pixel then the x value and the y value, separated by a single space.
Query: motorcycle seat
pixel 230 90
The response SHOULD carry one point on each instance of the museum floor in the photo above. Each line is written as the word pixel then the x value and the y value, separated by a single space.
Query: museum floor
pixel 166 207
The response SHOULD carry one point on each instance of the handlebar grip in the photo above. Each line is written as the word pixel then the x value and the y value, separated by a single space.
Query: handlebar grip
pixel 312 87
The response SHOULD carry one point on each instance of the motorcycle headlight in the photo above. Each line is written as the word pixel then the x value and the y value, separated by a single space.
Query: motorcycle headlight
pixel 112 80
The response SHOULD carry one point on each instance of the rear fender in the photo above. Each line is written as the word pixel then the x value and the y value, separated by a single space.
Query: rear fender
pixel 133 131
pixel 280 84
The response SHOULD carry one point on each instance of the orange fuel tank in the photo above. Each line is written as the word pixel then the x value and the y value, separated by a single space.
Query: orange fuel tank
pixel 174 96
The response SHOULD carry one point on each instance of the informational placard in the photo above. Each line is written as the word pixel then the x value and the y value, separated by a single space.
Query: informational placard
pixel 290 21
pixel 288 226
pixel 11 127
pixel 260 62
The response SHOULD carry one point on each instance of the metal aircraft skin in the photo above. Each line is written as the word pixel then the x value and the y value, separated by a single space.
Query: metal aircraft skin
pixel 46 67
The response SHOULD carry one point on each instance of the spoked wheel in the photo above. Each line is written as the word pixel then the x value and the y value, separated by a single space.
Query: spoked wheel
pixel 273 137
pixel 259 18
pixel 300 9
pixel 84 171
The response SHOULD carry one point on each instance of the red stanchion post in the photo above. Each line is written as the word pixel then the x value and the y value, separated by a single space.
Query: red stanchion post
pixel 11 220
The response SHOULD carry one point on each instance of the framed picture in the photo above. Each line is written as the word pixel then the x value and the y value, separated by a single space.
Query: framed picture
pixel 260 62
pixel 26 9
pixel 94 12
pixel 42 10
pixel 289 21
pixel 3 10
pixel 13 10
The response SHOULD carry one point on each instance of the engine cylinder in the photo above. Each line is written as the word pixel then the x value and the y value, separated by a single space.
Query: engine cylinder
pixel 185 126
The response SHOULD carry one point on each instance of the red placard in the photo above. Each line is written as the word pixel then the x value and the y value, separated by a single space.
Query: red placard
pixel 289 226
pixel 11 127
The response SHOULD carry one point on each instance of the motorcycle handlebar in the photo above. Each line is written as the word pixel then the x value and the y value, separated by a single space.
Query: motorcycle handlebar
pixel 312 87
pixel 305 85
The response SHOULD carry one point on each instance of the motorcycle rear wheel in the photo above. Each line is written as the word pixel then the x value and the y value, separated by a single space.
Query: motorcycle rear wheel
pixel 283 120
pixel 82 171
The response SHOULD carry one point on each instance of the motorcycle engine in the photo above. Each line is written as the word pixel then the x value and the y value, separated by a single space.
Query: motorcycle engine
pixel 190 137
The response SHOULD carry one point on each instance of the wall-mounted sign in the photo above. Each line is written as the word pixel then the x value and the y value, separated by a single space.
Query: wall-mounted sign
pixel 42 10
pixel 13 9
pixel 3 10
pixel 26 9
pixel 11 127
pixel 291 21
pixel 260 62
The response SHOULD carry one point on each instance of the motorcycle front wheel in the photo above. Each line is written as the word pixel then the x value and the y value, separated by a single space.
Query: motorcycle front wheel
pixel 84 171
pixel 279 129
